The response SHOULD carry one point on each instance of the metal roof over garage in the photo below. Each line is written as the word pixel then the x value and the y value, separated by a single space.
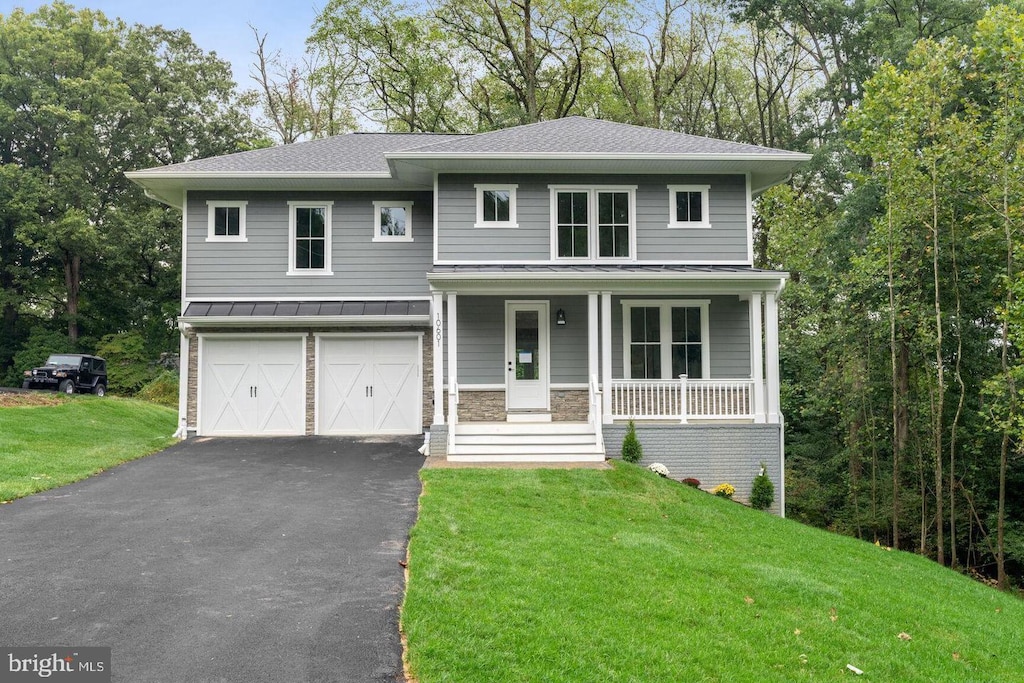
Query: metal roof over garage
pixel 238 313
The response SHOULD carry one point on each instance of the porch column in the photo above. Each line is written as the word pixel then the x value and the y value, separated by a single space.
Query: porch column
pixel 437 335
pixel 453 365
pixel 593 355
pixel 606 354
pixel 757 356
pixel 771 353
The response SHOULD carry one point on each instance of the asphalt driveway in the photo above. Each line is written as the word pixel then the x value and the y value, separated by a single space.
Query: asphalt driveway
pixel 221 560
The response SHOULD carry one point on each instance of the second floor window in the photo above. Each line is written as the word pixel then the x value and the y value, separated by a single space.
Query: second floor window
pixel 593 223
pixel 310 236
pixel 688 206
pixel 392 222
pixel 226 221
pixel 496 206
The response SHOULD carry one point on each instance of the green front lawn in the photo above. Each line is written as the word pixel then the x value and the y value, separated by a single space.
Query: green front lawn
pixel 45 446
pixel 598 575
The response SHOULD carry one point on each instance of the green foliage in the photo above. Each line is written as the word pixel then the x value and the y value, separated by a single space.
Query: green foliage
pixel 632 451
pixel 162 390
pixel 129 367
pixel 37 348
pixel 488 588
pixel 762 491
pixel 83 99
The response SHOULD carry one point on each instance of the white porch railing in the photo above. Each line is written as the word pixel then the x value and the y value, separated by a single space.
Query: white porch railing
pixel 596 415
pixel 682 399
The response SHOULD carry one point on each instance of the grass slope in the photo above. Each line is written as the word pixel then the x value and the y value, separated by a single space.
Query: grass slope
pixel 45 446
pixel 597 575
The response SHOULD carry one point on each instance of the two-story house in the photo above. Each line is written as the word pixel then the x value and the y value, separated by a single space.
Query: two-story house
pixel 519 294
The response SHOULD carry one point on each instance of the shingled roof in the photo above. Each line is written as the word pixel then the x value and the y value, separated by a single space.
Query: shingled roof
pixel 385 161
pixel 577 135
pixel 352 154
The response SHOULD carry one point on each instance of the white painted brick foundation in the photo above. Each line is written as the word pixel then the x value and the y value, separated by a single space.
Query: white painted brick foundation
pixel 712 453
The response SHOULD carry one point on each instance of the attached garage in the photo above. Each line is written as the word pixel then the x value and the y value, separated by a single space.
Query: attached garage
pixel 369 384
pixel 252 385
pixel 263 368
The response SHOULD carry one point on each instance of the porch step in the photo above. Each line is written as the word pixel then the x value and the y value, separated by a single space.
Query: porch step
pixel 490 428
pixel 525 442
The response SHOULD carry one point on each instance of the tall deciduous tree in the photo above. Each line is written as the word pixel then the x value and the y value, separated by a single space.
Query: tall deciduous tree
pixel 82 100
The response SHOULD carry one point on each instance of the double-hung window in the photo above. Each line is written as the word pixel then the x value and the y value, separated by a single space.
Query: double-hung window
pixel 309 232
pixel 225 221
pixel 496 206
pixel 593 224
pixel 688 206
pixel 665 339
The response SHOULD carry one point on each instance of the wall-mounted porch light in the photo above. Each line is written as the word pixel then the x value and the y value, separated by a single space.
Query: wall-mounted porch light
pixel 560 317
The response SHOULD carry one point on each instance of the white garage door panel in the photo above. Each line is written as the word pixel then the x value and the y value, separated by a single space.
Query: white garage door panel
pixel 252 386
pixel 369 386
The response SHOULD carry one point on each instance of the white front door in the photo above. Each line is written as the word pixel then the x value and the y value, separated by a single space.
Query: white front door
pixel 526 355
pixel 368 385
pixel 252 386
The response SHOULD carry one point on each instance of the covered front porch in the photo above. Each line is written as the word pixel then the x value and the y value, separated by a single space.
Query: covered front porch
pixel 535 362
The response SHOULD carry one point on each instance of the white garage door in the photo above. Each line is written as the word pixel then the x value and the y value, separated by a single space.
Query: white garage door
pixel 252 386
pixel 368 385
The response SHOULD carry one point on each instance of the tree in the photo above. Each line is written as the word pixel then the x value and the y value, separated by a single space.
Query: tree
pixel 84 99
pixel 405 79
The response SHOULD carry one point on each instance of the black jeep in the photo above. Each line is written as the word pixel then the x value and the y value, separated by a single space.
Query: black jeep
pixel 69 372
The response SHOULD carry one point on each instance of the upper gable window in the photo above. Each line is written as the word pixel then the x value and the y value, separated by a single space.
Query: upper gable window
pixel 593 224
pixel 309 232
pixel 688 206
pixel 392 222
pixel 225 221
pixel 496 206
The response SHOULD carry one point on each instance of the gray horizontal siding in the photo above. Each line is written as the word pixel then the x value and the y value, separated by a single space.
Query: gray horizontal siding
pixel 729 327
pixel 713 454
pixel 481 332
pixel 459 240
pixel 258 267
pixel 726 240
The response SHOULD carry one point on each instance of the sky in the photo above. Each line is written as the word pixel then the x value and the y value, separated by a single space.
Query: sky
pixel 220 26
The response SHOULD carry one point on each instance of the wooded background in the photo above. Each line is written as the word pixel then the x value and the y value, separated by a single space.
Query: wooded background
pixel 902 323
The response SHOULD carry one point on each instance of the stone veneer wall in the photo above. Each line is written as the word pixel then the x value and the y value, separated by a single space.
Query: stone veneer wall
pixel 480 406
pixel 570 405
pixel 712 453
pixel 427 390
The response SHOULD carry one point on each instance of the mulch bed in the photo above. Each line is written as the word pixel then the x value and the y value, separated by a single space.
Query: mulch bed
pixel 20 398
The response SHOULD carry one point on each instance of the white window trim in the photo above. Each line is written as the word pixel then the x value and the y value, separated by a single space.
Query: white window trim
pixel 210 210
pixel 592 226
pixel 377 206
pixel 705 206
pixel 666 306
pixel 328 229
pixel 512 222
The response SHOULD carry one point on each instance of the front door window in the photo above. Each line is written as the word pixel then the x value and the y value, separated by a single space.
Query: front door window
pixel 527 360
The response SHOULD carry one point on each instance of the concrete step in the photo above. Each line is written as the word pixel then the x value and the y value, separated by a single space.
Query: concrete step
pixel 524 439
pixel 519 449
pixel 493 428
